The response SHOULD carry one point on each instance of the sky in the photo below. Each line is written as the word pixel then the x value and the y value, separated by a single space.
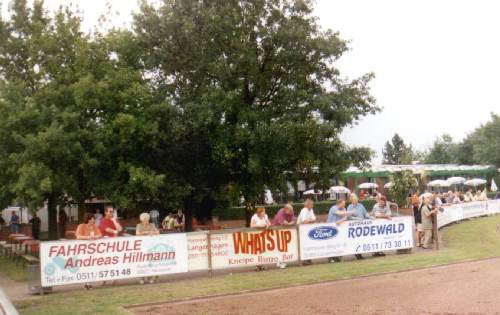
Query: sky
pixel 436 62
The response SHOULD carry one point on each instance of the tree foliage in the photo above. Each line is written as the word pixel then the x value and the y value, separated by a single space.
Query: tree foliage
pixel 443 151
pixel 397 151
pixel 199 101
pixel 404 183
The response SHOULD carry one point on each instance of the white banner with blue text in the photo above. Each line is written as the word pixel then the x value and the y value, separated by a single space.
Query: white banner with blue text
pixel 355 237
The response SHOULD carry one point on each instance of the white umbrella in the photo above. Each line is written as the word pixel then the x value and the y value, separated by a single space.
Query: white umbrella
pixel 438 183
pixel 368 186
pixel 456 180
pixel 389 185
pixel 339 190
pixel 493 185
pixel 311 192
pixel 475 182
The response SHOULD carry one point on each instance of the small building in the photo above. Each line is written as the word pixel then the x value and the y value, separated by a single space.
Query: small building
pixel 381 174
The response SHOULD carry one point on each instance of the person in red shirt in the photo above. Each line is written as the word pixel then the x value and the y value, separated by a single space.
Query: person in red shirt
pixel 109 226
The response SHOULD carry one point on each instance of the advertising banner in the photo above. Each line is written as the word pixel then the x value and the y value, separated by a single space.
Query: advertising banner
pixel 355 237
pixel 79 261
pixel 253 248
pixel 494 206
pixel 197 251
pixel 474 209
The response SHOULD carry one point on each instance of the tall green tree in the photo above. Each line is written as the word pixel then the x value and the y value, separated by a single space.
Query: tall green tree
pixel 256 83
pixel 485 142
pixel 62 92
pixel 397 151
pixel 404 183
pixel 443 151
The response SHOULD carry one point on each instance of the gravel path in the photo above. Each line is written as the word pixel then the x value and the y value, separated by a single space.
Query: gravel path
pixel 465 288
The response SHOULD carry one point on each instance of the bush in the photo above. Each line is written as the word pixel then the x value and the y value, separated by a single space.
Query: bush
pixel 320 207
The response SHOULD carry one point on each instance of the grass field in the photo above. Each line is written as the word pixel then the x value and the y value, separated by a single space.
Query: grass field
pixel 11 270
pixel 468 240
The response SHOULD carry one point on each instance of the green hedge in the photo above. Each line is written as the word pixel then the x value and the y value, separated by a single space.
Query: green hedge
pixel 320 207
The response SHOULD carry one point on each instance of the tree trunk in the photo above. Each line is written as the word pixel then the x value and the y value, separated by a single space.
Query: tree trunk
pixel 249 211
pixel 52 216
pixel 81 210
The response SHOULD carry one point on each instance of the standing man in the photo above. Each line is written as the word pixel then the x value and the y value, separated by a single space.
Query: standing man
pixel 110 226
pixel 98 217
pixel 35 226
pixel 14 223
pixel 62 220
pixel 155 215
pixel 427 214
pixel 285 216
pixel 337 215
pixel 306 215
pixel 358 213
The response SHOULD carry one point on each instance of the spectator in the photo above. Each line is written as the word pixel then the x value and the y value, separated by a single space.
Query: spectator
pixel 483 196
pixel 146 228
pixel 427 214
pixel 306 215
pixel 98 216
pixel 468 196
pixel 337 215
pixel 358 213
pixel 417 213
pixel 456 197
pixel 169 221
pixel 88 230
pixel 285 216
pixel 260 219
pixel 180 223
pixel 61 222
pixel 155 215
pixel 381 210
pixel 35 226
pixel 362 194
pixel 14 223
pixel 109 225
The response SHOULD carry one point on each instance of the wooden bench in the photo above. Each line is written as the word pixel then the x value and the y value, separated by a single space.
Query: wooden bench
pixel 30 260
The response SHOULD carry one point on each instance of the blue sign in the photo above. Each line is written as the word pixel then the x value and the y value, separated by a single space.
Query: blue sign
pixel 323 233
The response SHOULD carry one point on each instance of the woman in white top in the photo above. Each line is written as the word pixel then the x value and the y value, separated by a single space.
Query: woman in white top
pixel 306 215
pixel 260 219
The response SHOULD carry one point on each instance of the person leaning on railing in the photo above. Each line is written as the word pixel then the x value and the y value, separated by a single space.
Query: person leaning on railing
pixel 260 219
pixel 110 226
pixel 337 214
pixel 285 216
pixel 358 213
pixel 381 210
pixel 306 215
pixel 145 228
pixel 88 230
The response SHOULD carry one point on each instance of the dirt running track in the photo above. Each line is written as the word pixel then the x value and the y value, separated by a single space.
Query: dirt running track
pixel 467 288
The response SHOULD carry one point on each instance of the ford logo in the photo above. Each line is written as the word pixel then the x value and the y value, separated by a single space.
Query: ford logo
pixel 323 233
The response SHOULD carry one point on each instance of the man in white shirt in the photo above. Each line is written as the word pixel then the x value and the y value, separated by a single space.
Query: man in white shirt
pixel 306 215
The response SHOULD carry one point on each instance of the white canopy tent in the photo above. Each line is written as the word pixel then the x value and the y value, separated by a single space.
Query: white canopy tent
pixel 339 190
pixel 456 180
pixel 388 185
pixel 368 186
pixel 475 182
pixel 439 183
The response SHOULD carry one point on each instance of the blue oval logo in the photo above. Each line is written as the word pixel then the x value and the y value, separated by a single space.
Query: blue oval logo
pixel 323 233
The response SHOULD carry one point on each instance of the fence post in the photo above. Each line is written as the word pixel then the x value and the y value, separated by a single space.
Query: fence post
pixel 209 253
pixel 298 243
pixel 435 231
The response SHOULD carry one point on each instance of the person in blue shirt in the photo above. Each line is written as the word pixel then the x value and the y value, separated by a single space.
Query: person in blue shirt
pixel 337 215
pixel 14 223
pixel 359 213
